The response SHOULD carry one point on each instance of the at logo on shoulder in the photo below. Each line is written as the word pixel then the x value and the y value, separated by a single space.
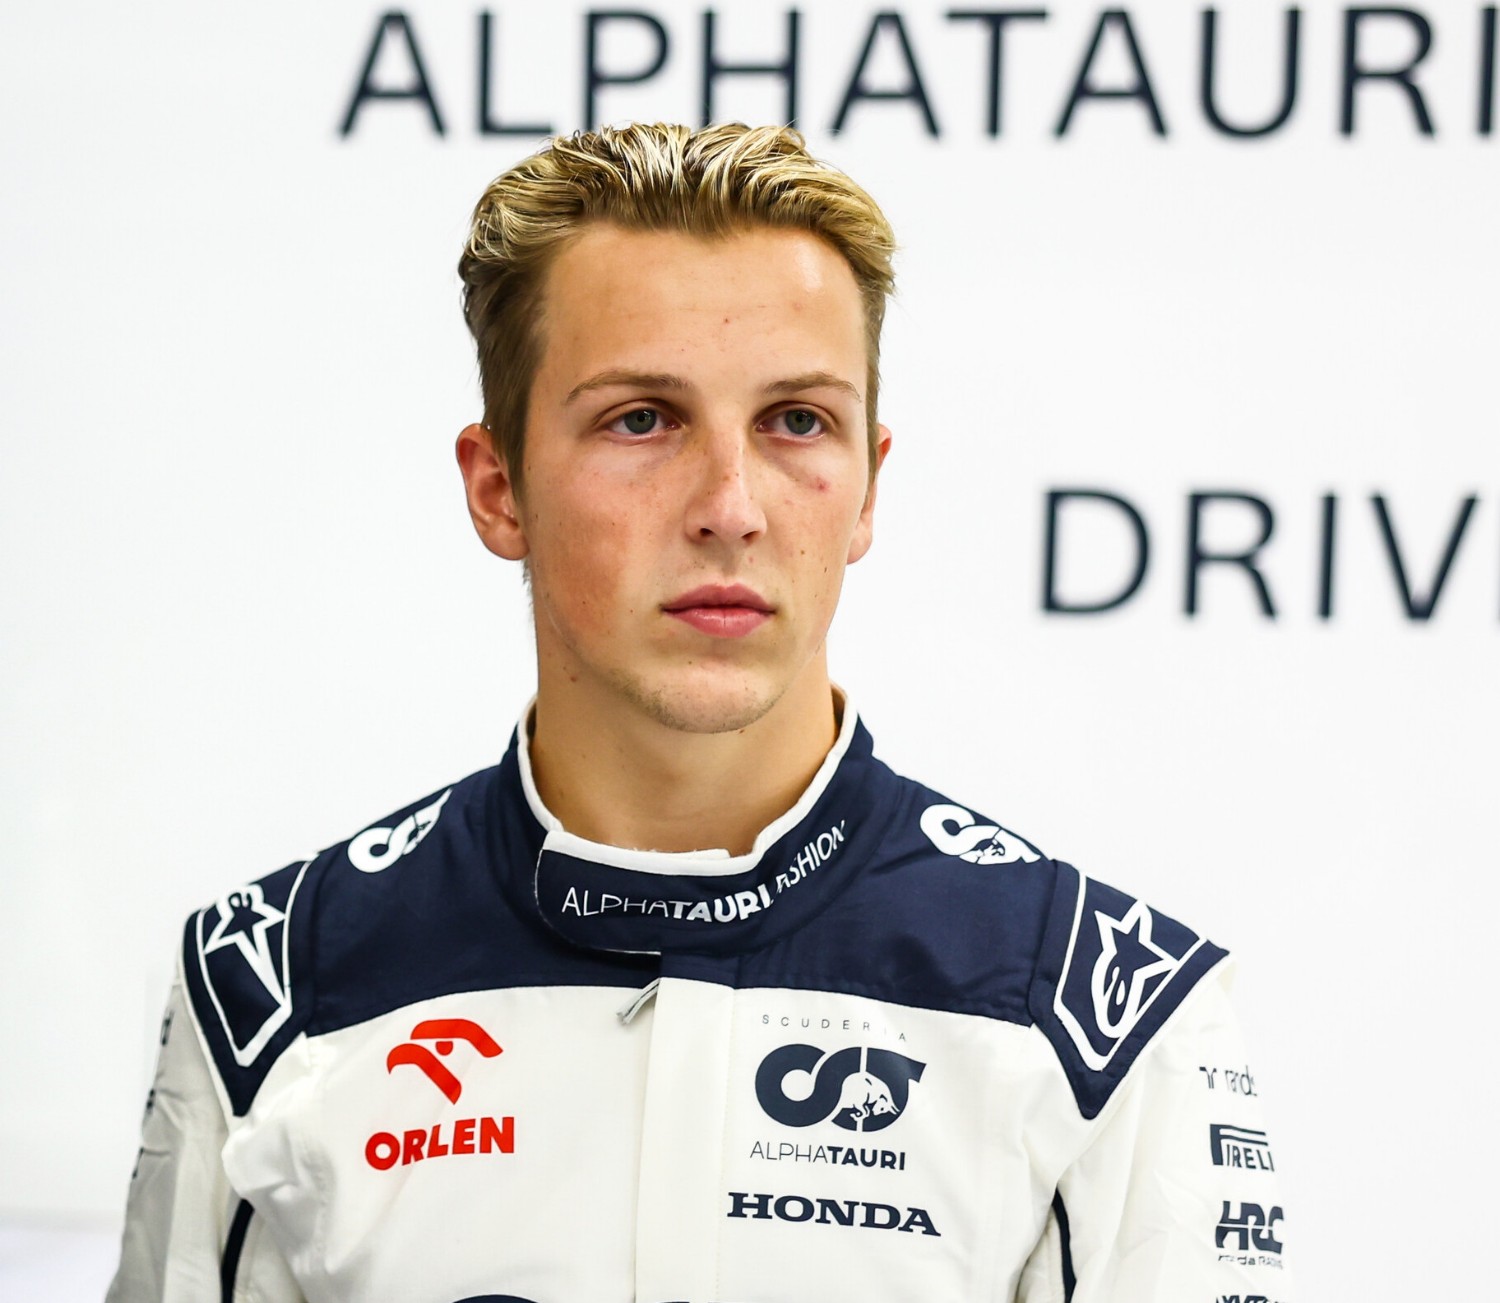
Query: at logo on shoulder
pixel 955 831
pixel 378 848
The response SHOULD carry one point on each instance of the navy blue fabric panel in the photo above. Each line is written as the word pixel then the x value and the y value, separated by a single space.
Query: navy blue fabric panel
pixel 1065 1234
pixel 234 1246
pixel 892 940
pixel 1111 972
pixel 918 927
pixel 495 1298
pixel 886 890
pixel 439 920
pixel 239 962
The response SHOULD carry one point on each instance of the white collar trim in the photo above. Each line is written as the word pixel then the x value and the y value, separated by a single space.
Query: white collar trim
pixel 716 862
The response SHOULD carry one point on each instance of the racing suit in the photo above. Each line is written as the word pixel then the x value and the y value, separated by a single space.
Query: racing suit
pixel 892 1053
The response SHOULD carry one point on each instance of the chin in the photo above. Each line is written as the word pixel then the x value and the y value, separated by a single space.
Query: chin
pixel 715 706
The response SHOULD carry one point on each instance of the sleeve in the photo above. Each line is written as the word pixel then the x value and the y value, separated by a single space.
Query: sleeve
pixel 188 1236
pixel 1174 1196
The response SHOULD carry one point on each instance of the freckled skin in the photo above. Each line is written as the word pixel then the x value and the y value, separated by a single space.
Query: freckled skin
pixel 728 483
pixel 615 529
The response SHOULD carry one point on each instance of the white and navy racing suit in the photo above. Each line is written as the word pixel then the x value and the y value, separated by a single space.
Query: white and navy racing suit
pixel 893 1053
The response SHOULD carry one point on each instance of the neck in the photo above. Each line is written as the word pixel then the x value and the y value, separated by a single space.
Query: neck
pixel 620 777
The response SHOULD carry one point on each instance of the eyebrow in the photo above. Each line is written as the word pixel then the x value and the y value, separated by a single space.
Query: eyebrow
pixel 629 379
pixel 813 380
pixel 661 380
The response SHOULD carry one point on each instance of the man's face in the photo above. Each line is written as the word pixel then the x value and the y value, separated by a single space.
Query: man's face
pixel 696 470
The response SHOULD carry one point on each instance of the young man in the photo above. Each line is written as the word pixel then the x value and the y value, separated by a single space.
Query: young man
pixel 691 998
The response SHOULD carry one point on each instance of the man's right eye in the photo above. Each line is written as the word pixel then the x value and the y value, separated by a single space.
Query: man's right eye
pixel 641 421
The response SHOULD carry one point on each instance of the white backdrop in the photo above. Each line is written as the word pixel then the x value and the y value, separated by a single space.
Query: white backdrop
pixel 245 613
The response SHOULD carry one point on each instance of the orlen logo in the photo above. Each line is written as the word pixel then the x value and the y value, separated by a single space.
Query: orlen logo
pixel 379 848
pixel 481 1135
pixel 1251 1227
pixel 859 1089
pixel 955 831
pixel 442 1032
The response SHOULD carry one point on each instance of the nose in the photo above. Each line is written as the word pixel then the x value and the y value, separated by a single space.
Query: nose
pixel 726 501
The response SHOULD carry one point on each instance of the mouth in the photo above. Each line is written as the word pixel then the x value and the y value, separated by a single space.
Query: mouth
pixel 721 611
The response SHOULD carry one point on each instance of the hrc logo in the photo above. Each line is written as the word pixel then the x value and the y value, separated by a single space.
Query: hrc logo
pixel 1252 1227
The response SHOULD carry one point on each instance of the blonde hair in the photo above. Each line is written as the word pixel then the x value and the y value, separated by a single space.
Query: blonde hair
pixel 659 177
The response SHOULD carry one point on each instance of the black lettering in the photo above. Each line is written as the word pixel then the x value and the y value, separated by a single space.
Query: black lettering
pixel 1084 88
pixel 420 89
pixel 794 1208
pixel 713 69
pixel 1487 70
pixel 1237 1228
pixel 595 76
pixel 914 89
pixel 1050 600
pixel 742 1204
pixel 919 1219
pixel 1325 568
pixel 1420 607
pixel 1197 557
pixel 838 1212
pixel 995 20
pixel 489 124
pixel 1355 72
pixel 1288 78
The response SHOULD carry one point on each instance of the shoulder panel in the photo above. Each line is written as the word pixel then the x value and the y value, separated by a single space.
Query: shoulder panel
pixel 237 960
pixel 438 899
pixel 429 901
pixel 1111 972
pixel 948 913
pixel 249 959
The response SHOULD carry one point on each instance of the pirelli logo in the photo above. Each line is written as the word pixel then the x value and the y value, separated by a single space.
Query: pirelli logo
pixel 1240 1147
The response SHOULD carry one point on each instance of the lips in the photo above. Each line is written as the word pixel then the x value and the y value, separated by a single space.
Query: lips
pixel 721 611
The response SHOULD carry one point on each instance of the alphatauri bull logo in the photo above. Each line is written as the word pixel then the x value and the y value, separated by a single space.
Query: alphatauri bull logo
pixel 862 1098
pixel 859 1088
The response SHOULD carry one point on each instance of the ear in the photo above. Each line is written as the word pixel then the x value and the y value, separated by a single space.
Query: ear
pixel 492 497
pixel 864 528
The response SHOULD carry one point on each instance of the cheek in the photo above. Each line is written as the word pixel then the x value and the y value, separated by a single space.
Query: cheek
pixel 572 580
pixel 829 506
pixel 821 535
pixel 583 558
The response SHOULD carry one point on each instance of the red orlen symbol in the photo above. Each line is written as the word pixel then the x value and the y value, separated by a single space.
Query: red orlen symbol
pixel 442 1032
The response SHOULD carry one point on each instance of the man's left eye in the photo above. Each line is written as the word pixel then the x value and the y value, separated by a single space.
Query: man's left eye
pixel 800 421
pixel 644 420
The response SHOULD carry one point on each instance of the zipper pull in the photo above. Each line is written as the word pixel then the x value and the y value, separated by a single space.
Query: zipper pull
pixel 640 1001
